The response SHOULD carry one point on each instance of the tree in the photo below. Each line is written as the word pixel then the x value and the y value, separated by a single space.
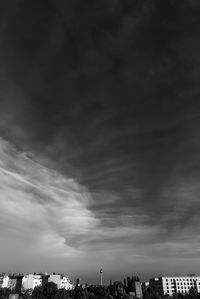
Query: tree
pixel 80 293
pixel 62 294
pixel 49 291
pixel 151 293
pixel 4 293
pixel 38 293
pixel 27 294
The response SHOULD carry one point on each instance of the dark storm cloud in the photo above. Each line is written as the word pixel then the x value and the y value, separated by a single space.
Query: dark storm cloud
pixel 106 92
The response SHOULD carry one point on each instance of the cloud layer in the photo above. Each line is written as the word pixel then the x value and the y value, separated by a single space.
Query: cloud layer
pixel 41 211
pixel 99 126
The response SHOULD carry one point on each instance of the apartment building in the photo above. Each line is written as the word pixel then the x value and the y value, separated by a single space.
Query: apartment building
pixel 56 278
pixel 15 282
pixel 173 285
pixel 30 281
pixel 133 286
pixel 61 281
pixel 4 279
pixel 66 283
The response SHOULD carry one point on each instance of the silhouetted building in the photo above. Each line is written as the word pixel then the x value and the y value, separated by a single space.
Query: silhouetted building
pixel 134 287
pixel 145 286
pixel 15 283
pixel 78 282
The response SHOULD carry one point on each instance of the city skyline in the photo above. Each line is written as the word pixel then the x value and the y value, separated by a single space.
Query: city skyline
pixel 99 137
pixel 181 281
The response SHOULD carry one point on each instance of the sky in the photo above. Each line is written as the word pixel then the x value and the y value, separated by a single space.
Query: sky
pixel 99 137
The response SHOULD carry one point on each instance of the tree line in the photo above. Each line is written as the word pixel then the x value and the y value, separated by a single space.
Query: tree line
pixel 114 291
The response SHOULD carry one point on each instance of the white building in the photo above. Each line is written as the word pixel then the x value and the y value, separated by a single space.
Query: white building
pixel 4 281
pixel 30 281
pixel 65 283
pixel 56 278
pixel 172 285
pixel 61 281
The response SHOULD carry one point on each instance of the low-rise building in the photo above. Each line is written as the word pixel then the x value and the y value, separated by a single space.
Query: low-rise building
pixel 145 286
pixel 133 287
pixel 66 283
pixel 138 289
pixel 4 279
pixel 56 278
pixel 15 283
pixel 61 281
pixel 30 281
pixel 173 285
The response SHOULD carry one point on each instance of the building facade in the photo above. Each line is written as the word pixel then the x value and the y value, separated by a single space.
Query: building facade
pixel 30 281
pixel 61 281
pixel 15 283
pixel 133 287
pixel 145 286
pixel 138 289
pixel 4 280
pixel 56 278
pixel 174 285
pixel 65 283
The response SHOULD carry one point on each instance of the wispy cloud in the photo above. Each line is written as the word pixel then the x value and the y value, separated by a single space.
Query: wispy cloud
pixel 40 208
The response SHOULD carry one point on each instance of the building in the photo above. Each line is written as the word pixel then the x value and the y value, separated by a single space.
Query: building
pixel 61 281
pixel 173 285
pixel 66 283
pixel 145 286
pixel 56 278
pixel 133 287
pixel 30 281
pixel 15 283
pixel 138 289
pixel 45 278
pixel 14 296
pixel 4 279
pixel 78 281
